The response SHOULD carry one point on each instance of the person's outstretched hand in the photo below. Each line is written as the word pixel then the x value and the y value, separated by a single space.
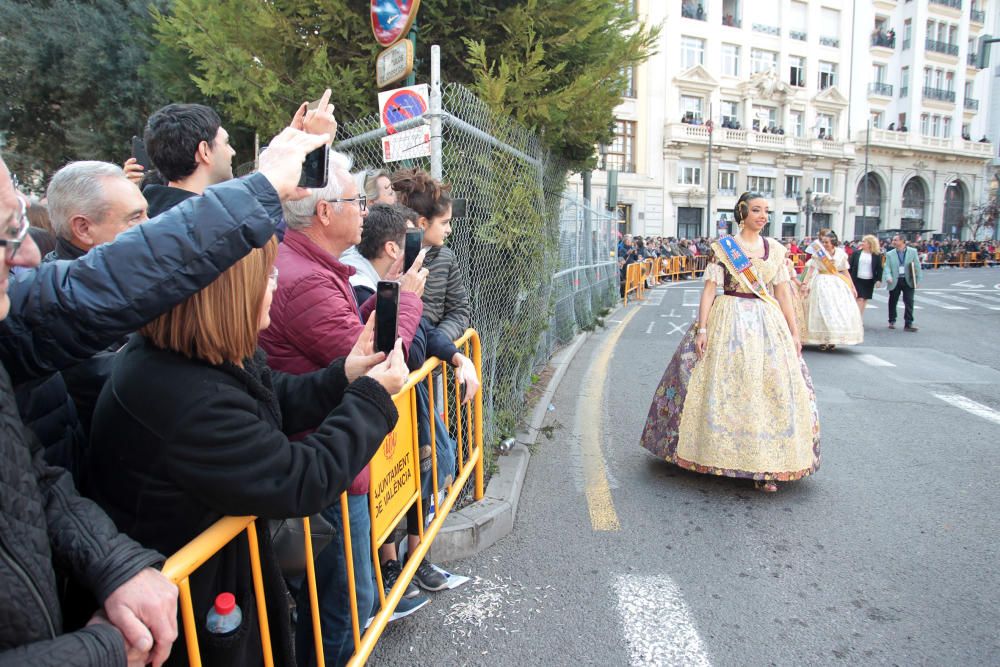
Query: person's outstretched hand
pixel 392 372
pixel 363 357
pixel 144 609
pixel 281 162
pixel 316 121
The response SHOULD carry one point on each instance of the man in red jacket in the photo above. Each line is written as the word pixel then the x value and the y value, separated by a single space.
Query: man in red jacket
pixel 314 320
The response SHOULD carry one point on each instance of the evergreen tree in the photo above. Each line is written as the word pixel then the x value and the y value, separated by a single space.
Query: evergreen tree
pixel 552 65
pixel 71 81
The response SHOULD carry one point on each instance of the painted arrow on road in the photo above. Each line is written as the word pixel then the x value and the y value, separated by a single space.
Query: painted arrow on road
pixel 965 284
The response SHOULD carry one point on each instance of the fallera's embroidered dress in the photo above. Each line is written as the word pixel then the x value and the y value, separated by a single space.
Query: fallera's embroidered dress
pixel 831 313
pixel 748 408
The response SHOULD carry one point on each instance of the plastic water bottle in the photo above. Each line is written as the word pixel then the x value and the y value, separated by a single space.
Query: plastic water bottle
pixel 225 616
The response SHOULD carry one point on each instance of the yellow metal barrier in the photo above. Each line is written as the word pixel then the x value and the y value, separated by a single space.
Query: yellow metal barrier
pixel 633 281
pixel 469 439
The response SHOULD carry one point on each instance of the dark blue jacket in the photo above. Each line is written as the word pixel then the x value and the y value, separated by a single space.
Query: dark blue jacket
pixel 64 312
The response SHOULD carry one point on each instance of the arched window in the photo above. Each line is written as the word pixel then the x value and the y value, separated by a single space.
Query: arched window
pixel 869 210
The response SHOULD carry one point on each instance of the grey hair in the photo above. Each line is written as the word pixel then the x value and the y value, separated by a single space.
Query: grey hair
pixel 299 213
pixel 77 189
pixel 370 182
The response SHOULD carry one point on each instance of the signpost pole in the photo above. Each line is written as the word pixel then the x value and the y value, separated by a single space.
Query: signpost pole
pixel 437 166
pixel 411 80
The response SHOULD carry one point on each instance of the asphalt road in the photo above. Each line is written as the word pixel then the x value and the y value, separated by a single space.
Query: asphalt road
pixel 887 556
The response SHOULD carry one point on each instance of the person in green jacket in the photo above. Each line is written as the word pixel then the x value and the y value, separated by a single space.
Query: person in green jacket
pixel 902 275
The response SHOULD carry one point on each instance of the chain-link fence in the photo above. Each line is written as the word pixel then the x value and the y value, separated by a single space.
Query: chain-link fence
pixel 538 264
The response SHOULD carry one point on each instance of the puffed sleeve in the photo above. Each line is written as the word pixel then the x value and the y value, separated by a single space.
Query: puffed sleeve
pixel 715 273
pixel 841 261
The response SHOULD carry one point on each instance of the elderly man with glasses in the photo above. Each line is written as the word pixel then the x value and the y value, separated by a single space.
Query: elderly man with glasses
pixel 314 320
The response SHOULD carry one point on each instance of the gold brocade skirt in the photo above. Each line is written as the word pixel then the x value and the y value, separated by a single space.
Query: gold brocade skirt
pixel 747 409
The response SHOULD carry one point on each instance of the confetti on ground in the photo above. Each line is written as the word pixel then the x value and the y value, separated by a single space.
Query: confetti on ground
pixel 486 606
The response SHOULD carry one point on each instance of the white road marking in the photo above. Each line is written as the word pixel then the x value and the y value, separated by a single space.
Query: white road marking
pixel 971 407
pixel 967 285
pixel 692 292
pixel 658 626
pixel 868 305
pixel 676 328
pixel 961 299
pixel 983 295
pixel 872 360
pixel 649 329
pixel 884 299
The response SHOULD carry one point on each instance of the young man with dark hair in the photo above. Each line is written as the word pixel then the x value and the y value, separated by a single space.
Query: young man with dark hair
pixel 382 243
pixel 190 149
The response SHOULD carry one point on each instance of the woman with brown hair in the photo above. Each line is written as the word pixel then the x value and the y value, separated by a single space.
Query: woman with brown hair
pixel 192 426
pixel 829 297
pixel 447 309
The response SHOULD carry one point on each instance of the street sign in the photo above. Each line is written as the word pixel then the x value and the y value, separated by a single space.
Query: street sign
pixel 392 19
pixel 393 470
pixel 394 64
pixel 398 105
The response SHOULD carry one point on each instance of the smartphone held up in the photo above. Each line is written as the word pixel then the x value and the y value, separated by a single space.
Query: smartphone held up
pixel 386 315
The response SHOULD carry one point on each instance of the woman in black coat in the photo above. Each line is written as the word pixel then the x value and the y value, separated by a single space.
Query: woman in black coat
pixel 192 426
pixel 866 270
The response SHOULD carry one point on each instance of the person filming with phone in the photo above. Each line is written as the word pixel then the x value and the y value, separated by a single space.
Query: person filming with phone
pixel 315 319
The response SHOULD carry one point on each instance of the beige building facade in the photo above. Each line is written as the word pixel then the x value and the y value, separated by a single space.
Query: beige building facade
pixel 791 98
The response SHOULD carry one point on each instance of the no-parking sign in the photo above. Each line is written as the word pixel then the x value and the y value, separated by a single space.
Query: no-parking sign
pixel 391 19
pixel 396 106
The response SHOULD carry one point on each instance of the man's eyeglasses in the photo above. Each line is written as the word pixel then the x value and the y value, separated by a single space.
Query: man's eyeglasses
pixel 12 237
pixel 361 199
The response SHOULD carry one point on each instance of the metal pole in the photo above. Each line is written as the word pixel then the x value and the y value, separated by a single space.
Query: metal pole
pixel 708 188
pixel 587 194
pixel 437 165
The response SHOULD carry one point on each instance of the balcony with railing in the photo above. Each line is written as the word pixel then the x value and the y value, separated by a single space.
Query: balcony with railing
pixel 797 34
pixel 883 39
pixel 880 88
pixel 973 59
pixel 939 94
pixel 767 29
pixel 904 91
pixel 954 4
pixel 942 47
pixel 971 104
pixel 977 16
pixel 830 41
pixel 911 140
pixel 682 133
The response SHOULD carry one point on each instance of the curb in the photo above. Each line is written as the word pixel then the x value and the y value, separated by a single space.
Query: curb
pixel 481 524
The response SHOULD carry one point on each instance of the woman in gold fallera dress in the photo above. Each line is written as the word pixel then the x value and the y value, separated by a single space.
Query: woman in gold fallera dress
pixel 736 399
pixel 832 316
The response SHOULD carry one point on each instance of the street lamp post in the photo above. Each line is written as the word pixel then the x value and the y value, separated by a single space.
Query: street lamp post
pixel 808 206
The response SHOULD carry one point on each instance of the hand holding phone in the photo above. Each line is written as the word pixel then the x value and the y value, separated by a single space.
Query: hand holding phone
pixel 315 168
pixel 140 154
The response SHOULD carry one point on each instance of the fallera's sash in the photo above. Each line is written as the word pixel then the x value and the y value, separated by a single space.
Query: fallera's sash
pixel 820 253
pixel 734 259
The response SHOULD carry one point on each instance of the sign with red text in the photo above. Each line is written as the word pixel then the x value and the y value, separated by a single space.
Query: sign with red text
pixel 394 470
pixel 396 106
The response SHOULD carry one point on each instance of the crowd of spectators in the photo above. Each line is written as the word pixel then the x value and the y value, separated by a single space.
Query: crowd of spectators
pixel 179 345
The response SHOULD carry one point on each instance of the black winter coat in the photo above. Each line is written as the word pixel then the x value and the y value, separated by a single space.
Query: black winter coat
pixel 171 457
pixel 64 312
